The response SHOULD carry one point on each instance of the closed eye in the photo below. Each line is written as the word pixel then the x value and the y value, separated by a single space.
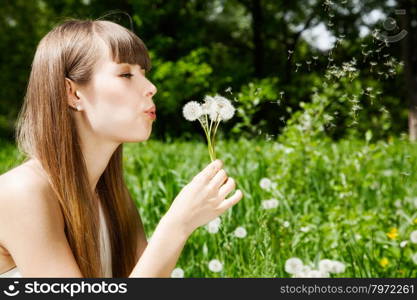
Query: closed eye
pixel 127 75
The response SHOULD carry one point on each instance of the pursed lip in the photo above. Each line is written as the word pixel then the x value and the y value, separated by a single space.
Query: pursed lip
pixel 152 109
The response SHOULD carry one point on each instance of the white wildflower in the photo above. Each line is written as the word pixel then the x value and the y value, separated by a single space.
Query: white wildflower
pixel 177 273
pixel 215 265
pixel 305 229
pixel 413 237
pixel 265 183
pixel 240 232
pixel 293 265
pixel 403 244
pixel 286 224
pixel 192 111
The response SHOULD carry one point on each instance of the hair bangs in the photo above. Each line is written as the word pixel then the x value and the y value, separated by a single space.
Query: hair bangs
pixel 125 46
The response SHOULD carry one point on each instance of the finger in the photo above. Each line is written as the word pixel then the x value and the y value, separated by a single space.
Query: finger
pixel 208 172
pixel 229 202
pixel 218 179
pixel 225 189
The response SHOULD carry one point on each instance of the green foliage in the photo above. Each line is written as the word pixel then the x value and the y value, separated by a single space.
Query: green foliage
pixel 340 200
pixel 250 100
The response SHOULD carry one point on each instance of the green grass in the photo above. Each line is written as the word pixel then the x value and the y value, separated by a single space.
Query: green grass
pixel 349 193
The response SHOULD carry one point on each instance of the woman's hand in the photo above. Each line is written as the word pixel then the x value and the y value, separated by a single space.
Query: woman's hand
pixel 203 199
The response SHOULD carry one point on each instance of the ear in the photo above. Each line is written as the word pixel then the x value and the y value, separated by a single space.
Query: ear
pixel 71 90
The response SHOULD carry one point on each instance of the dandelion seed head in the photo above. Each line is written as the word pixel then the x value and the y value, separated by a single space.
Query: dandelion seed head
pixel 177 273
pixel 293 265
pixel 240 232
pixel 215 265
pixel 414 258
pixel 265 183
pixel 192 111
pixel 403 244
pixel 413 237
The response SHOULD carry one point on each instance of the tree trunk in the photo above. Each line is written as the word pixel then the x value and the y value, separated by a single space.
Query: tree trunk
pixel 257 27
pixel 408 46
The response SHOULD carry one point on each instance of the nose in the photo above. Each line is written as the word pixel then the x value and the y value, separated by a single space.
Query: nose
pixel 151 91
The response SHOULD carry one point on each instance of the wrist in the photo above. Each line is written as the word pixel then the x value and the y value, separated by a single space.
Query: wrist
pixel 176 227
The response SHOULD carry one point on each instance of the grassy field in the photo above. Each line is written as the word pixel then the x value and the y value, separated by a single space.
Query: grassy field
pixel 350 201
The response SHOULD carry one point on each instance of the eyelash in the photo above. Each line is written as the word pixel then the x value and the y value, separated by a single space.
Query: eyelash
pixel 130 75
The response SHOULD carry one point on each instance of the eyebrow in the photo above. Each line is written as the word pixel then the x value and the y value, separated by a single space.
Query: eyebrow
pixel 126 64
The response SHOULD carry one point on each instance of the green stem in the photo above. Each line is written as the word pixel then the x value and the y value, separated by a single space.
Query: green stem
pixel 208 140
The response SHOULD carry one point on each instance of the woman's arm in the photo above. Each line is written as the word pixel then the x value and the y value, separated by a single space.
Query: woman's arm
pixel 163 250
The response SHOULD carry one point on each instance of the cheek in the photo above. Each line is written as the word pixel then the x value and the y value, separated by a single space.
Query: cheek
pixel 115 112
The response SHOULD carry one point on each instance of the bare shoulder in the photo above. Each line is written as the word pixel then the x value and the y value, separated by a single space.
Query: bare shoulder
pixel 26 193
pixel 32 225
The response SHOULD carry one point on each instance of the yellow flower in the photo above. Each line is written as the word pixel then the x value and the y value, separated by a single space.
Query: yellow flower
pixel 393 233
pixel 384 262
pixel 258 149
pixel 415 221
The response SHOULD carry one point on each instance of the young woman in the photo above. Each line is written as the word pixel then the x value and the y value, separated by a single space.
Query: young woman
pixel 66 211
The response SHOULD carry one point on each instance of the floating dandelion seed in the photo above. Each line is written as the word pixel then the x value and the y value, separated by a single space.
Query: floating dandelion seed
pixel 290 52
pixel 373 64
pixel 269 137
pixel 215 265
pixel 298 65
pixel 308 62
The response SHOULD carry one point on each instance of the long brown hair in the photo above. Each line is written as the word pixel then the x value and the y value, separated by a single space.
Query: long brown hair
pixel 46 130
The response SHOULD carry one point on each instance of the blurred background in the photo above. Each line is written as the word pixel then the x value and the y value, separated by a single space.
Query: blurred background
pixel 266 56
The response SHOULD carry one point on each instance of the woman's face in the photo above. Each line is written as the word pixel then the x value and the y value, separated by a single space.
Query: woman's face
pixel 115 101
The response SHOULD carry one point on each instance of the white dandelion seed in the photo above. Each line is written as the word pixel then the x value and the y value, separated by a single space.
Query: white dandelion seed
pixel 293 265
pixel 215 265
pixel 192 111
pixel 413 237
pixel 177 273
pixel 265 183
pixel 240 232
